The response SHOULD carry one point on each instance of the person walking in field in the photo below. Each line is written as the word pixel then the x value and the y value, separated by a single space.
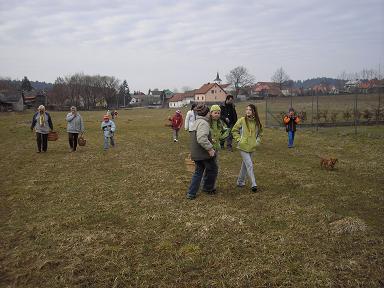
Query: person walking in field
pixel 75 125
pixel 190 118
pixel 109 128
pixel 42 123
pixel 247 132
pixel 229 116
pixel 290 121
pixel 203 154
pixel 176 124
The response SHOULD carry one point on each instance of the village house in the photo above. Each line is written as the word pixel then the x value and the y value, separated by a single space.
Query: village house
pixel 11 101
pixel 264 89
pixel 210 93
pixel 179 100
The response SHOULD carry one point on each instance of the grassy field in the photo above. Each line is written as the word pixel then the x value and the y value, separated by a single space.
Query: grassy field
pixel 121 219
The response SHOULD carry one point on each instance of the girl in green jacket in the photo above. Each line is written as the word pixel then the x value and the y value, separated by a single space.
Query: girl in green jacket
pixel 247 133
pixel 219 130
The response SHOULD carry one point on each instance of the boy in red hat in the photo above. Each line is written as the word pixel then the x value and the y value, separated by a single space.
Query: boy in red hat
pixel 177 123
pixel 109 128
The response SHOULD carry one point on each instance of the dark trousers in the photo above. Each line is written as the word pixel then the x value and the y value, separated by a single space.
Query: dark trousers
pixel 72 139
pixel 229 139
pixel 209 169
pixel 42 141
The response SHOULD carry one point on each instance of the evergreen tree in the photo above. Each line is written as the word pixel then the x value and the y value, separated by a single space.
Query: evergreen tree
pixel 26 85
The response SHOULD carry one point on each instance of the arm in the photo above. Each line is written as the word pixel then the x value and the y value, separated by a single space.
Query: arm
pixel 113 127
pixel 81 125
pixel 224 131
pixel 297 120
pixel 70 117
pixel 33 124
pixel 186 122
pixel 202 132
pixel 286 119
pixel 236 130
pixel 181 122
pixel 234 113
pixel 50 121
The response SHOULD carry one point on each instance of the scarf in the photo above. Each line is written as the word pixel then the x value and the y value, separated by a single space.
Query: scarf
pixel 42 120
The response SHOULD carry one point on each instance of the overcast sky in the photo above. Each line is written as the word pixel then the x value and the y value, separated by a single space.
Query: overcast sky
pixel 171 44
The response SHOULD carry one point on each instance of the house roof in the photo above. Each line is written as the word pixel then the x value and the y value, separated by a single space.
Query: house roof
pixel 181 96
pixel 206 87
pixel 9 98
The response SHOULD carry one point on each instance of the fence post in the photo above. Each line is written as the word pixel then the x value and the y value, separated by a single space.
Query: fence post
pixel 355 108
pixel 317 112
pixel 266 111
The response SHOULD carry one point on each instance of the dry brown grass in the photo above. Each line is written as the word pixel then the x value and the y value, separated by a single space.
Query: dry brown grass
pixel 120 218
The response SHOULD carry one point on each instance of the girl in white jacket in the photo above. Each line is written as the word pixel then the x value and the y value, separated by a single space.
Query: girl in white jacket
pixel 190 119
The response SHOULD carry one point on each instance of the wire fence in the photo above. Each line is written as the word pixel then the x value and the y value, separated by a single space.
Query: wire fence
pixel 327 111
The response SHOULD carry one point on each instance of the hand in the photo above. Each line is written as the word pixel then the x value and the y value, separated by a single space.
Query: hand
pixel 227 120
pixel 211 153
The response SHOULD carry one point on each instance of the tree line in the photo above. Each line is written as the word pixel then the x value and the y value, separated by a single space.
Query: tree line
pixel 89 91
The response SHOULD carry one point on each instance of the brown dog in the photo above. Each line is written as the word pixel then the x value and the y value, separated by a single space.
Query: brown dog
pixel 328 164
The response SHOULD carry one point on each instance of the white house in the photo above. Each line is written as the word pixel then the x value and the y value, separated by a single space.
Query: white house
pixel 179 100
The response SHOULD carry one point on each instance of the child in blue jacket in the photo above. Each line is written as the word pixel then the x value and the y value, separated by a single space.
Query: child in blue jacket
pixel 109 128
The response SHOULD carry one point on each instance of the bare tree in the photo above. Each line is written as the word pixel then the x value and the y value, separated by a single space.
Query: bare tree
pixel 280 77
pixel 239 78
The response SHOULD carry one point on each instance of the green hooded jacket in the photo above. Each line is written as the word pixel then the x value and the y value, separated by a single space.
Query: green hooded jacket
pixel 247 138
pixel 219 131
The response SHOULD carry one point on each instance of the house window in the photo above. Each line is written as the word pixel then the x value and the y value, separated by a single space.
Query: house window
pixel 197 97
pixel 215 97
pixel 212 91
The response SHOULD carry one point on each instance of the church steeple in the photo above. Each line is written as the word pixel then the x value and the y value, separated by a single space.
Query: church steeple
pixel 217 80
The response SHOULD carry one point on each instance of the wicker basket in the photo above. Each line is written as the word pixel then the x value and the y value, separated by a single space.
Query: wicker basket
pixel 189 164
pixel 53 136
pixel 81 140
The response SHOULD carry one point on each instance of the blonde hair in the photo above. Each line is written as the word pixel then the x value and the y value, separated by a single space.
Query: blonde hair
pixel 41 108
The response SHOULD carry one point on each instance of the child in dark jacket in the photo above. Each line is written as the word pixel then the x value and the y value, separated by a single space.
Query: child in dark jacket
pixel 290 121
pixel 176 124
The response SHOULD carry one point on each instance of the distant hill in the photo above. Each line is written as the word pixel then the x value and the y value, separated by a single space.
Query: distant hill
pixel 41 85
pixel 37 85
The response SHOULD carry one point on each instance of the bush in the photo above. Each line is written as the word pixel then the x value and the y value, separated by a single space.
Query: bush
pixel 334 116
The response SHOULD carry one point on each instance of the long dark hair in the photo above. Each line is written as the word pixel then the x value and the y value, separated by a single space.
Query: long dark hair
pixel 193 106
pixel 255 115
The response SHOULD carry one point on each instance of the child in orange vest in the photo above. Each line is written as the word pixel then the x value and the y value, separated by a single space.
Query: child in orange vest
pixel 290 121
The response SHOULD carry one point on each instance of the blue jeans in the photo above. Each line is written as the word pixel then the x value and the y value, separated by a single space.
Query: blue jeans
pixel 210 168
pixel 106 142
pixel 291 138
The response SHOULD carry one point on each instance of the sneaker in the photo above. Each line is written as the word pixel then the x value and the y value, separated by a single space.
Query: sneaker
pixel 174 140
pixel 254 189
pixel 190 197
pixel 210 192
pixel 240 186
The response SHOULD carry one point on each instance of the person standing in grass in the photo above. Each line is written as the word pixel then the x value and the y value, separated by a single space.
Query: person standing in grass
pixel 229 116
pixel 247 133
pixel 109 128
pixel 203 154
pixel 42 123
pixel 75 126
pixel 290 121
pixel 177 123
pixel 190 118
